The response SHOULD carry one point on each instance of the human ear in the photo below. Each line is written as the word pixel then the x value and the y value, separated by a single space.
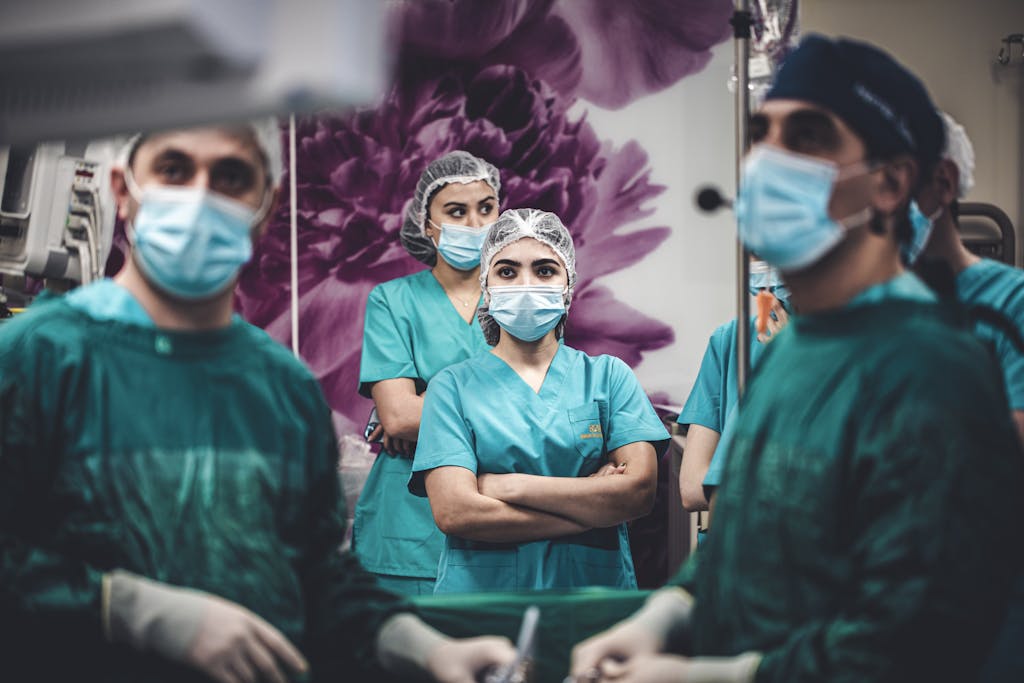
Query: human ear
pixel 894 187
pixel 122 197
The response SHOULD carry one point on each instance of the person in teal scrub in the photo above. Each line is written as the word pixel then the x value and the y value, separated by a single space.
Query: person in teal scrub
pixel 533 456
pixel 715 394
pixel 868 524
pixel 170 509
pixel 979 282
pixel 416 326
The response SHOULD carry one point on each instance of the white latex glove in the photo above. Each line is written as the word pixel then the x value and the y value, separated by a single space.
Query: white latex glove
pixel 407 646
pixel 674 669
pixel 644 633
pixel 220 638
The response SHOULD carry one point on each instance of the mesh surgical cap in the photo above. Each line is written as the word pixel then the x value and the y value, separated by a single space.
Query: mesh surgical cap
pixel 454 167
pixel 512 226
pixel 960 151
pixel 265 131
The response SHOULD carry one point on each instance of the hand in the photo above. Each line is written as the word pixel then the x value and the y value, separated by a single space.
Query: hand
pixel 646 669
pixel 463 661
pixel 609 468
pixel 399 447
pixel 776 321
pixel 224 640
pixel 498 486
pixel 644 633
pixel 623 642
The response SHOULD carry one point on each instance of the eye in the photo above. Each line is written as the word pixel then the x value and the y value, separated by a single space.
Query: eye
pixel 457 212
pixel 173 171
pixel 506 272
pixel 487 209
pixel 232 177
pixel 809 133
pixel 547 271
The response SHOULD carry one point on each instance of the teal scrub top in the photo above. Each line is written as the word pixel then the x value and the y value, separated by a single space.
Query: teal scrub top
pixel 869 520
pixel 905 286
pixel 1000 287
pixel 201 459
pixel 481 415
pixel 412 330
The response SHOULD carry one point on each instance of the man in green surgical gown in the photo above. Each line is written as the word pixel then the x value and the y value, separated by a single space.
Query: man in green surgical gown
pixel 867 526
pixel 169 500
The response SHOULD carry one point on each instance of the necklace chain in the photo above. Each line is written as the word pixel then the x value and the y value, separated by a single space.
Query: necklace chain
pixel 455 297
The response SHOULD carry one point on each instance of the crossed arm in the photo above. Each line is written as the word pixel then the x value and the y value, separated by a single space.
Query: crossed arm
pixel 518 507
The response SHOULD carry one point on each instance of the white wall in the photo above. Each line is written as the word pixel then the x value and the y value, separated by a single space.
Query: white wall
pixel 952 45
pixel 687 132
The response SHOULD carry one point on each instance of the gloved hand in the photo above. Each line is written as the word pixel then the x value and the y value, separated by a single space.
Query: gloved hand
pixel 463 661
pixel 644 633
pixel 408 647
pixel 673 669
pixel 220 638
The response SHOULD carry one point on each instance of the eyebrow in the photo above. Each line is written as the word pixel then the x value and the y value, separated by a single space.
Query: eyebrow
pixel 538 262
pixel 491 198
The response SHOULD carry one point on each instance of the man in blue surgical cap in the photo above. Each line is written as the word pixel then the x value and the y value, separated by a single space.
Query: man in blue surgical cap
pixel 169 499
pixel 867 526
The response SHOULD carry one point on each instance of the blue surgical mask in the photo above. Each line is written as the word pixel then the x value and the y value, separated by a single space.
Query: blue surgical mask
pixel 460 246
pixel 190 242
pixel 782 208
pixel 763 276
pixel 527 312
pixel 921 229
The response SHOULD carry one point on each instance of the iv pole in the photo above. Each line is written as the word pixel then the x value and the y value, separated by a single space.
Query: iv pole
pixel 741 22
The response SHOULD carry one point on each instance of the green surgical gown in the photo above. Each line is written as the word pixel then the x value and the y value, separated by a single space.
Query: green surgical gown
pixel 202 459
pixel 482 416
pixel 413 331
pixel 868 524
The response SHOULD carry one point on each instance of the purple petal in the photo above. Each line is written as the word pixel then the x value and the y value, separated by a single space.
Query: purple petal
pixel 631 49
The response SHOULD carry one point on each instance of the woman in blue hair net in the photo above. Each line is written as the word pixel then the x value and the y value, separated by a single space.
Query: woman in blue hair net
pixel 533 456
pixel 415 326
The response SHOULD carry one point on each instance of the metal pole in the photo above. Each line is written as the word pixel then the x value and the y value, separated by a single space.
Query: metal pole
pixel 741 33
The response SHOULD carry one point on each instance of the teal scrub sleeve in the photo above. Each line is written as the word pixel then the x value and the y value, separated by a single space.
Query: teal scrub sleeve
pixel 41 590
pixel 631 417
pixel 703 405
pixel 386 347
pixel 445 438
pixel 345 605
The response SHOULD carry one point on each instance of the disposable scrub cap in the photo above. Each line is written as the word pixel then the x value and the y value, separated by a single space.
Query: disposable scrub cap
pixel 960 151
pixel 454 167
pixel 266 132
pixel 512 226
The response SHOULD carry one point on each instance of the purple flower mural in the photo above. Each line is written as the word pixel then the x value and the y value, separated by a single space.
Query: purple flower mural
pixel 497 80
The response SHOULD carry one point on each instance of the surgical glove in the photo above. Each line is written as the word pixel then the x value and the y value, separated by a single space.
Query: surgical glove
pixel 673 669
pixel 644 633
pixel 408 647
pixel 220 638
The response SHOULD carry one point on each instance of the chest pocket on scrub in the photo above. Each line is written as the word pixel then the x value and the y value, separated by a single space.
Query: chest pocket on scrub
pixel 587 424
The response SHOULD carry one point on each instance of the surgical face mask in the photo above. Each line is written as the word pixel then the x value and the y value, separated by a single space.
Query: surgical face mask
pixel 190 242
pixel 763 276
pixel 527 312
pixel 782 207
pixel 921 229
pixel 460 246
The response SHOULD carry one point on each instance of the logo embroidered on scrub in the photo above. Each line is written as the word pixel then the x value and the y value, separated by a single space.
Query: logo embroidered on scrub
pixel 593 432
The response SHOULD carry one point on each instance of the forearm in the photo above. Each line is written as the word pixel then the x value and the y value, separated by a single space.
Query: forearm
pixel 589 501
pixel 700 448
pixel 398 407
pixel 481 518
